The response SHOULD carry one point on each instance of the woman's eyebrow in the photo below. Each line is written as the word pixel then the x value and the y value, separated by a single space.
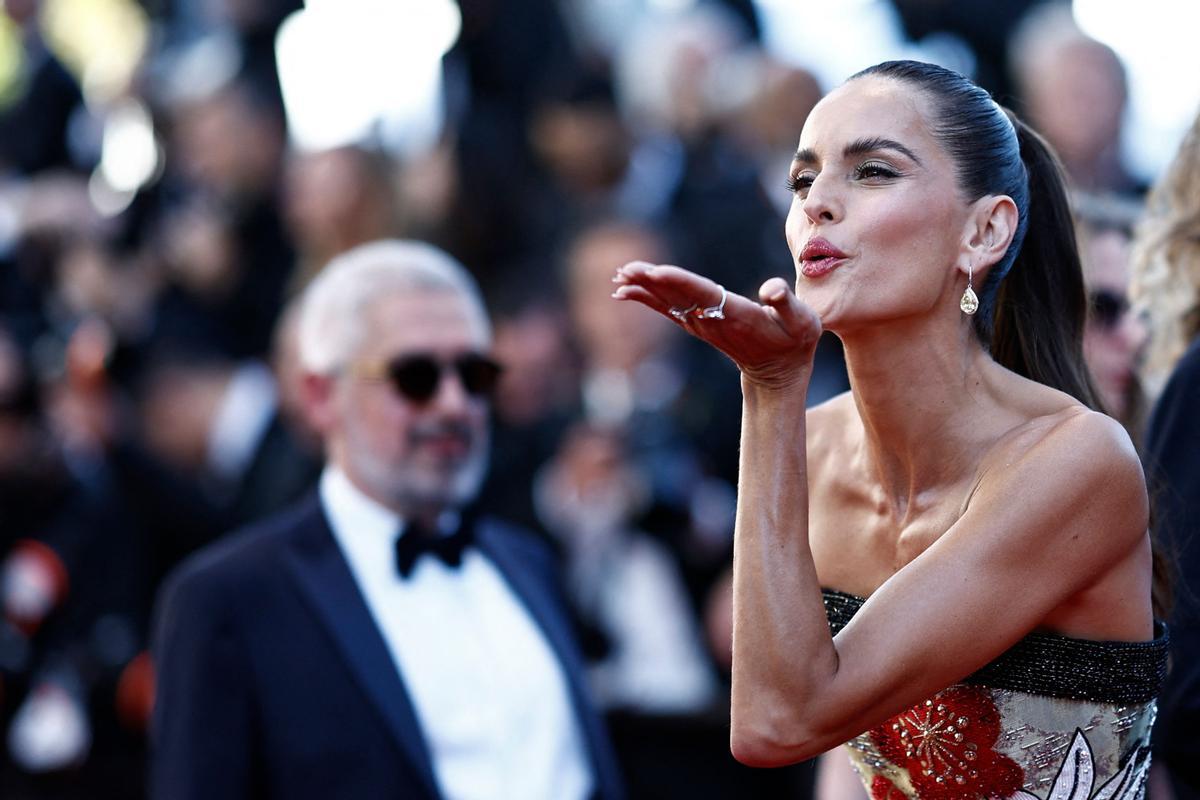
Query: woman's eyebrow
pixel 859 147
pixel 805 156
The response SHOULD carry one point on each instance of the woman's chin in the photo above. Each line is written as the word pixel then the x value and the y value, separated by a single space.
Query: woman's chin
pixel 822 303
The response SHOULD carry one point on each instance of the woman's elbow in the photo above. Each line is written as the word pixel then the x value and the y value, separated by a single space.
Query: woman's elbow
pixel 770 745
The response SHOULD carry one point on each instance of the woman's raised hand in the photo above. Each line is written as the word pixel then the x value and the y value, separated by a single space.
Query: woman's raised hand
pixel 771 341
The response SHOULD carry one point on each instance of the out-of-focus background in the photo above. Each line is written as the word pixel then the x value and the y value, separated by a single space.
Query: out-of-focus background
pixel 173 172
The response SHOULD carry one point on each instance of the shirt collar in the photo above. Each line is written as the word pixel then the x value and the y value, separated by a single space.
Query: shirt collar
pixel 355 515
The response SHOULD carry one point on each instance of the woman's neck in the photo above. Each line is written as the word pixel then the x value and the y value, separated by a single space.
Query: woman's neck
pixel 927 406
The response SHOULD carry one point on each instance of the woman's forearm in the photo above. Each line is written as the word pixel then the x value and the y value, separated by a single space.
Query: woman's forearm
pixel 782 650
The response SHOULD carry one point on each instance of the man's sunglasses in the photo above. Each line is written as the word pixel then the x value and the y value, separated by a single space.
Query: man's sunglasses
pixel 1107 308
pixel 417 377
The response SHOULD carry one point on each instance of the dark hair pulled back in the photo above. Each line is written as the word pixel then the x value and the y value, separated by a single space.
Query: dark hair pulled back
pixel 1032 306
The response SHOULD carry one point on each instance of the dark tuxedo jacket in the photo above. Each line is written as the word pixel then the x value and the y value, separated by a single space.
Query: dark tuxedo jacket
pixel 274 681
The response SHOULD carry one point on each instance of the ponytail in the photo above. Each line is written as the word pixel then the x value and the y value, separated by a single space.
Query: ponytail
pixel 1041 304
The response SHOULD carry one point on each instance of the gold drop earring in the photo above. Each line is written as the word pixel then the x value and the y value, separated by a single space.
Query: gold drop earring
pixel 969 302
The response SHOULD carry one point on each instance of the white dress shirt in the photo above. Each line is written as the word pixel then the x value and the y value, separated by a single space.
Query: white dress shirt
pixel 486 686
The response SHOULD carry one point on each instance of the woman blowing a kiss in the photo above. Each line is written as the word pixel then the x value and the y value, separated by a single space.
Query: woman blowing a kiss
pixel 971 529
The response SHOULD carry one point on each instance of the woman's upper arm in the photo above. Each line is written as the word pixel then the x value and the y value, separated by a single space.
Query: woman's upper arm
pixel 1049 520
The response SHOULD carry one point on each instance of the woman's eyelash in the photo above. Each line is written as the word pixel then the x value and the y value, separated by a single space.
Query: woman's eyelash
pixel 796 183
pixel 869 169
pixel 873 169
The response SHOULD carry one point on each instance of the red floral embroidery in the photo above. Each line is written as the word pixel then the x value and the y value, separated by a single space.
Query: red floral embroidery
pixel 883 789
pixel 946 744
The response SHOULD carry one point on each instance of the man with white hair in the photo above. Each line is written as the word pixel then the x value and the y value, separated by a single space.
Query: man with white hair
pixel 383 639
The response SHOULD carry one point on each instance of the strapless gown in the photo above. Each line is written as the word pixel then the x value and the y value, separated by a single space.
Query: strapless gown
pixel 1053 718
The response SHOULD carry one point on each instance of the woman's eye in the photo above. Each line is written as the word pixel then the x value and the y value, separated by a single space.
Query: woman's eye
pixel 874 170
pixel 799 184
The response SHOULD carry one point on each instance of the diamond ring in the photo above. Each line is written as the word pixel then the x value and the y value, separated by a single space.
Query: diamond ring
pixel 681 313
pixel 713 312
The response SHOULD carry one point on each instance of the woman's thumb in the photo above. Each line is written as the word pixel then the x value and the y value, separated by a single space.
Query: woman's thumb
pixel 796 319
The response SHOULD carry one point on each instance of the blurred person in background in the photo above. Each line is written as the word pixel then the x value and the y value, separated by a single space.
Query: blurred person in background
pixel 246 27
pixel 1074 90
pixel 600 27
pixel 648 663
pixel 1115 337
pixel 46 514
pixel 221 425
pixel 1166 289
pixel 699 186
pixel 80 583
pixel 983 27
pixel 74 570
pixel 74 580
pixel 536 398
pixel 217 232
pixel 663 396
pixel 583 150
pixel 335 200
pixel 383 637
pixel 762 102
pixel 37 296
pixel 624 584
pixel 496 74
pixel 37 111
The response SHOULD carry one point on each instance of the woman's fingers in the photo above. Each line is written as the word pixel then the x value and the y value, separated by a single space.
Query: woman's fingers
pixel 673 292
pixel 797 320
pixel 643 296
pixel 766 335
pixel 684 297
pixel 675 287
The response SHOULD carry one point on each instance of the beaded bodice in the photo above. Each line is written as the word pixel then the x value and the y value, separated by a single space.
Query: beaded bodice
pixel 1052 718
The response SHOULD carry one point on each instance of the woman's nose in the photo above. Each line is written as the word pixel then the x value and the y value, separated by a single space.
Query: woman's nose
pixel 821 204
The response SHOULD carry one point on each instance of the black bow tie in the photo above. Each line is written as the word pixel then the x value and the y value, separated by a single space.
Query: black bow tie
pixel 418 540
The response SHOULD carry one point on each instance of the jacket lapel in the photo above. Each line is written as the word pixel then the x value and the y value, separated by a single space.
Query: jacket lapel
pixel 325 581
pixel 537 590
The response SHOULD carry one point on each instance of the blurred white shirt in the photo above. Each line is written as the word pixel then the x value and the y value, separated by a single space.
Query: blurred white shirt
pixel 487 688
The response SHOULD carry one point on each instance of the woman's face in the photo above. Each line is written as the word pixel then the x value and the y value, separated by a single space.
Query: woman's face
pixel 877 223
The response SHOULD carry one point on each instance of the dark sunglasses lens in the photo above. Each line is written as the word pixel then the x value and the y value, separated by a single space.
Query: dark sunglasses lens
pixel 1107 308
pixel 479 374
pixel 416 378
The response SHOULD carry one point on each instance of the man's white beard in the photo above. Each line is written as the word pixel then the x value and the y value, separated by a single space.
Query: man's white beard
pixel 411 490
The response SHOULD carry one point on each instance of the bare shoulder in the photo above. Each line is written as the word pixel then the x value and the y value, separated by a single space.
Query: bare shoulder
pixel 1084 456
pixel 1096 441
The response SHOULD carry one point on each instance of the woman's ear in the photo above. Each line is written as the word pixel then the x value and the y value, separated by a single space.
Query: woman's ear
pixel 991 228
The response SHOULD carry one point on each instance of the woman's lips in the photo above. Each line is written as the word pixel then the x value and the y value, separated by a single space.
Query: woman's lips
pixel 819 257
pixel 819 267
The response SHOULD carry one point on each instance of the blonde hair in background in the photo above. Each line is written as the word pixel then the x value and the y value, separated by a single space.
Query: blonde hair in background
pixel 1166 262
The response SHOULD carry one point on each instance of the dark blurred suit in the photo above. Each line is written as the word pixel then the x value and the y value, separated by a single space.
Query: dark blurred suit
pixel 275 681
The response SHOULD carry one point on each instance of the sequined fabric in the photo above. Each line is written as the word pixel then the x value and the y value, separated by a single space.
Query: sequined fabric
pixel 1053 718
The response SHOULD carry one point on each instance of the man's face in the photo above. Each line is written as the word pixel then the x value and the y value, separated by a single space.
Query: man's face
pixel 415 457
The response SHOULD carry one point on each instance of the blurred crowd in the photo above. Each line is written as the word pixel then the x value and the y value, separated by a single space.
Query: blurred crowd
pixel 148 395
